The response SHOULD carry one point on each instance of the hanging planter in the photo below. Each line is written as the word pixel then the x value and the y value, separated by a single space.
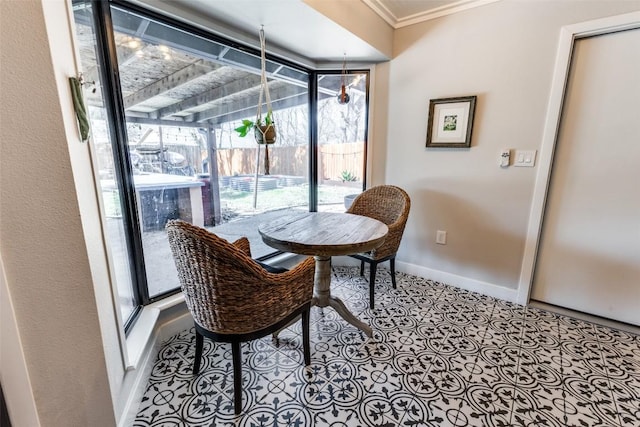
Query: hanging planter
pixel 265 134
pixel 264 131
pixel 343 95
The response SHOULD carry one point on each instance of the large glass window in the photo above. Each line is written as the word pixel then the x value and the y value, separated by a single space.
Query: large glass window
pixel 170 150
pixel 342 135
pixel 105 158
pixel 183 96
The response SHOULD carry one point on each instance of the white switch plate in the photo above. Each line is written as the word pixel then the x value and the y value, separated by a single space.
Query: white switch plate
pixel 505 157
pixel 441 237
pixel 525 158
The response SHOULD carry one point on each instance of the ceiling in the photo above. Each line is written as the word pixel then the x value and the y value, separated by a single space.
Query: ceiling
pixel 172 78
pixel 403 8
pixel 293 26
pixel 169 77
pixel 399 13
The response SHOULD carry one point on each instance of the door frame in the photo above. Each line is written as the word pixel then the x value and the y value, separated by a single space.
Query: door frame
pixel 568 35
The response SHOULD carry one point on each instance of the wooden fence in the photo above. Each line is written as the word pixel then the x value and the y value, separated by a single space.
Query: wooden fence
pixel 334 160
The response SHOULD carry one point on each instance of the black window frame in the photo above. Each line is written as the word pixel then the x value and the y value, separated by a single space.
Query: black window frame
pixel 117 128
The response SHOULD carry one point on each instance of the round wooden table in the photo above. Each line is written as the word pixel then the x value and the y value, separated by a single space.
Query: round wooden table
pixel 323 235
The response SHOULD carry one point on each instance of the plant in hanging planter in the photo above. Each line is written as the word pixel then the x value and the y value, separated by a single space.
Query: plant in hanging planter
pixel 264 132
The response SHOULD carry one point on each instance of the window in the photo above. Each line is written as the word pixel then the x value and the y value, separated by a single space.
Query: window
pixel 105 156
pixel 342 135
pixel 163 116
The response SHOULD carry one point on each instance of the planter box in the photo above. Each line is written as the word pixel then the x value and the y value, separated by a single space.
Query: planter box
pixel 348 200
pixel 247 183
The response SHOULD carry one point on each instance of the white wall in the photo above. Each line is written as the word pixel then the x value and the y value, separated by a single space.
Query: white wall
pixel 504 53
pixel 359 19
pixel 13 369
pixel 42 231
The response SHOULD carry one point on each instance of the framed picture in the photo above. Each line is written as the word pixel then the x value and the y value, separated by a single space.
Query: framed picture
pixel 450 122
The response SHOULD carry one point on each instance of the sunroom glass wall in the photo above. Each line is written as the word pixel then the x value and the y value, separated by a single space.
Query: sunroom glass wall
pixel 183 97
pixel 342 136
pixel 104 156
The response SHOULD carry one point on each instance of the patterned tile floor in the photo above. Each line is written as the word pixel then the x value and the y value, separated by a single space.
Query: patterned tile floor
pixel 440 356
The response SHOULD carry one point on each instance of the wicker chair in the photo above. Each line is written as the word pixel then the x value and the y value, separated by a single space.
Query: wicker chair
pixel 388 204
pixel 232 298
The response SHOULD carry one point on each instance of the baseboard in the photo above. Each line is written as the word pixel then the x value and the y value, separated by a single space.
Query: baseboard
pixel 135 382
pixel 591 318
pixel 172 320
pixel 175 325
pixel 460 282
pixel 454 280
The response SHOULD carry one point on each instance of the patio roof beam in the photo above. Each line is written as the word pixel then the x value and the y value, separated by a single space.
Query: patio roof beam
pixel 211 95
pixel 160 122
pixel 279 104
pixel 179 78
pixel 228 113
pixel 277 92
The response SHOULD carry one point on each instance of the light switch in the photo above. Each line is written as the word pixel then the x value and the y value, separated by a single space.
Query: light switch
pixel 525 158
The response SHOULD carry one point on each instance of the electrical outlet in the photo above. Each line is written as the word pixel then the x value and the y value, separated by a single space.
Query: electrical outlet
pixel 441 237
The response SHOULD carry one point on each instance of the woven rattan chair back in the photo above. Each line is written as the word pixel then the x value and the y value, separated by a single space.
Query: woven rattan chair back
pixel 391 205
pixel 231 297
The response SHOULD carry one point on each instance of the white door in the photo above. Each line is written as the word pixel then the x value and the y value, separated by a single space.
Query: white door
pixel 589 254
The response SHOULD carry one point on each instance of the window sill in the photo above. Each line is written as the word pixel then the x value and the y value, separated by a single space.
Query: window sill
pixel 139 336
pixel 143 330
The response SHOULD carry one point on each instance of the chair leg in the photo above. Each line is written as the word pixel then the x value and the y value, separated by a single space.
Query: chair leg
pixel 305 337
pixel 237 377
pixel 392 262
pixel 372 282
pixel 361 268
pixel 196 361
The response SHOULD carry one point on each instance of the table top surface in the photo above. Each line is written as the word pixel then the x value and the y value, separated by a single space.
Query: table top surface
pixel 323 233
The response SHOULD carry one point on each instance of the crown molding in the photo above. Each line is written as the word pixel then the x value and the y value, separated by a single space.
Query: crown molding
pixel 378 7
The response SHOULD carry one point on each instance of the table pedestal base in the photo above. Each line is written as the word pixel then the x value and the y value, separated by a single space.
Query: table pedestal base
pixel 322 295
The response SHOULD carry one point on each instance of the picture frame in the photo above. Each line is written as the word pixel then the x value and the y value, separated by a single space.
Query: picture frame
pixel 450 122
